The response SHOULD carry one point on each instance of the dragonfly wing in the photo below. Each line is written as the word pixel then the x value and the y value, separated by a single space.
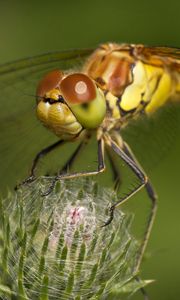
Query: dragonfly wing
pixel 158 56
pixel 152 138
pixel 21 134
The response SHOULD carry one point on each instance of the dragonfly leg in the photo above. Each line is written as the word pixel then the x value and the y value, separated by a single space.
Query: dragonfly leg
pixel 38 156
pixel 101 168
pixel 144 181
pixel 148 185
pixel 67 166
pixel 115 170
pixel 142 290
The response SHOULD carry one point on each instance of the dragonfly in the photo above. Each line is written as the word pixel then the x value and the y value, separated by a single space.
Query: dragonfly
pixel 82 92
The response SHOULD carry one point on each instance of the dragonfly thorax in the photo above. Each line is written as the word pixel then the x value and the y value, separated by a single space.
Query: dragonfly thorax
pixel 131 85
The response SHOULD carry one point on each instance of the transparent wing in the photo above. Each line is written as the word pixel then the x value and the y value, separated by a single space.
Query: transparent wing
pixel 152 138
pixel 21 135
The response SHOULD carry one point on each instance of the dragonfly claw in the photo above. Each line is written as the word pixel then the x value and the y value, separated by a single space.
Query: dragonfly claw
pixel 24 182
pixel 111 216
pixel 50 189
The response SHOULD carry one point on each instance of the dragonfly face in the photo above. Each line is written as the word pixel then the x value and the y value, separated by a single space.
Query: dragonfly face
pixel 68 103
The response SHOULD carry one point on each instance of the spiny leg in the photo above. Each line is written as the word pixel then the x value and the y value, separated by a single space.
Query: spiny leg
pixel 143 182
pixel 129 152
pixel 117 179
pixel 148 185
pixel 67 166
pixel 123 145
pixel 142 289
pixel 115 170
pixel 38 156
pixel 144 293
pixel 101 168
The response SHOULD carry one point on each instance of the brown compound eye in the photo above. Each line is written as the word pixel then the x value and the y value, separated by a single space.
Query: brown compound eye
pixel 78 88
pixel 49 82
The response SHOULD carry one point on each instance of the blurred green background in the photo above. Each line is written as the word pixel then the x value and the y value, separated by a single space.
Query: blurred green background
pixel 28 28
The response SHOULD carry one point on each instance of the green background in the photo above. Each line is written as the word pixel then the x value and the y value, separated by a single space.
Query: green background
pixel 28 28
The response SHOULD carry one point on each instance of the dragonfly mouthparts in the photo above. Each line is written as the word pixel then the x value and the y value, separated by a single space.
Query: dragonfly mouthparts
pixel 51 101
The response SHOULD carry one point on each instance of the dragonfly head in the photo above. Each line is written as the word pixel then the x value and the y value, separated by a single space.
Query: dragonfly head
pixel 69 102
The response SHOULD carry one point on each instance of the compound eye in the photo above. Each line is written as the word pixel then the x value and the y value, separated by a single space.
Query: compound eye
pixel 49 82
pixel 78 88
